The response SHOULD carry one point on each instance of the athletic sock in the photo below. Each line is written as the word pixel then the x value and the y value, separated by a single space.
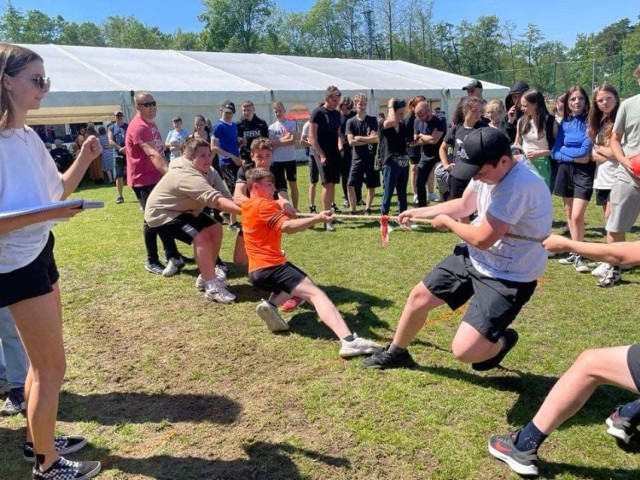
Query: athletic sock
pixel 349 338
pixel 530 438
pixel 631 411
pixel 396 350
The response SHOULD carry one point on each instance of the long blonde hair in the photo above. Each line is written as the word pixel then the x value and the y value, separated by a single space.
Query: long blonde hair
pixel 13 59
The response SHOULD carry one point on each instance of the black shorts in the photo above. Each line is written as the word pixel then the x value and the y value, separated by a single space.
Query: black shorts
pixel 602 196
pixel 276 279
pixel 495 303
pixel 414 159
pixel 285 169
pixel 185 227
pixel 633 360
pixel 30 281
pixel 142 194
pixel 364 170
pixel 329 171
pixel 229 173
pixel 457 187
pixel 121 166
pixel 575 180
pixel 313 170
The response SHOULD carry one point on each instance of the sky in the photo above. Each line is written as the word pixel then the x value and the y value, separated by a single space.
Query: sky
pixel 559 20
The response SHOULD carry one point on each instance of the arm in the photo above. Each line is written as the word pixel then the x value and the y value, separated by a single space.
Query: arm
pixel 226 205
pixel 313 141
pixel 442 153
pixel 223 153
pixel 457 208
pixel 480 236
pixel 112 142
pixel 300 224
pixel 584 150
pixel 424 139
pixel 14 223
pixel 91 148
pixel 390 121
pixel 616 148
pixel 619 253
pixel 156 157
pixel 601 154
pixel 240 193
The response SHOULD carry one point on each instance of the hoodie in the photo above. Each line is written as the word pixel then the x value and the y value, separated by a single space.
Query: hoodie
pixel 511 128
pixel 572 140
pixel 184 189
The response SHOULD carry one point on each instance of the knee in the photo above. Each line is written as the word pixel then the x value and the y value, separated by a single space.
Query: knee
pixel 419 296
pixel 587 363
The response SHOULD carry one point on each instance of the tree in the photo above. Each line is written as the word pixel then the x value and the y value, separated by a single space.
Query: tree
pixel 85 33
pixel 235 23
pixel 11 24
pixel 121 32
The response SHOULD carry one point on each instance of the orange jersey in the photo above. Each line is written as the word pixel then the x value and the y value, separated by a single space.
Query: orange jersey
pixel 261 222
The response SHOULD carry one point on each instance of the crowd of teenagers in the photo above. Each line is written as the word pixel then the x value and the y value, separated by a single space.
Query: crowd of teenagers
pixel 496 166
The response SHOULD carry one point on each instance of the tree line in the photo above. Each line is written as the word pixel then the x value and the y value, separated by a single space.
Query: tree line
pixel 378 29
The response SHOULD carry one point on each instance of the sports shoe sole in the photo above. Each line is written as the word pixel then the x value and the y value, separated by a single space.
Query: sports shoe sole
pixel 527 470
pixel 618 433
pixel 346 352
pixel 274 322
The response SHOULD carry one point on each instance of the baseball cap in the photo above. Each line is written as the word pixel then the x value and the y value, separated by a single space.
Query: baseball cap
pixel 634 164
pixel 229 107
pixel 481 146
pixel 117 112
pixel 473 84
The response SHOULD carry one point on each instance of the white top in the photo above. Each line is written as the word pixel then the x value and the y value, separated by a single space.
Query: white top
pixel 628 123
pixel 285 153
pixel 605 174
pixel 530 140
pixel 28 178
pixel 522 200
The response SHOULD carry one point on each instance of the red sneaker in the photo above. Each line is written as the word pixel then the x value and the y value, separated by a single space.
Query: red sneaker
pixel 291 304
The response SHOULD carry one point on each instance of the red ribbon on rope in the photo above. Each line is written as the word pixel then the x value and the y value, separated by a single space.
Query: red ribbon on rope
pixel 384 229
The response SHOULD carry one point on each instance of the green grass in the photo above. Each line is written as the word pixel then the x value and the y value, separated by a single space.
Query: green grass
pixel 167 385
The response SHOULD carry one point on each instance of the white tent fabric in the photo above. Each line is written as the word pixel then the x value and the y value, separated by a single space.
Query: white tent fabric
pixel 189 83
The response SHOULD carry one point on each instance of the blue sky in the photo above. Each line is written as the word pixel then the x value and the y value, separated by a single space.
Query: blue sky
pixel 558 19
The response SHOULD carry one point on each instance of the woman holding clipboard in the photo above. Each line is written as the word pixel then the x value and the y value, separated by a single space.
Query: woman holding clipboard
pixel 28 275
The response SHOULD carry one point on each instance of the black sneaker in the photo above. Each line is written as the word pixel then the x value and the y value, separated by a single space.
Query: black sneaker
pixel 335 208
pixel 63 469
pixel 367 212
pixel 620 427
pixel 510 339
pixel 503 448
pixel 384 360
pixel 312 209
pixel 154 267
pixel 14 404
pixel 64 446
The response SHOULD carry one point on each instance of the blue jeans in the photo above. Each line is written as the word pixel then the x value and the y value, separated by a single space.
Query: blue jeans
pixel 17 363
pixel 394 177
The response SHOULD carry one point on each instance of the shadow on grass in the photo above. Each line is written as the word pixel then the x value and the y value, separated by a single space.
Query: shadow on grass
pixel 307 323
pixel 115 408
pixel 533 389
pixel 266 461
pixel 555 470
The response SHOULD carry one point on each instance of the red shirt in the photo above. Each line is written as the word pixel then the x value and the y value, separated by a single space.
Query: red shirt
pixel 261 222
pixel 140 170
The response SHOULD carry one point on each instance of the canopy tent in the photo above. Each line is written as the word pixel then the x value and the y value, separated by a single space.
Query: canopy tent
pixel 97 81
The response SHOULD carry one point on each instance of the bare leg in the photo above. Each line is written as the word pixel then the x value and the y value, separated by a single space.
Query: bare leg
pixel 239 253
pixel 295 194
pixel 352 198
pixel 206 248
pixel 613 237
pixel 470 346
pixel 328 192
pixel 119 185
pixel 39 321
pixel 418 305
pixel 606 366
pixel 568 203
pixel 431 181
pixel 325 308
pixel 413 173
pixel 371 192
pixel 312 194
pixel 279 298
pixel 577 219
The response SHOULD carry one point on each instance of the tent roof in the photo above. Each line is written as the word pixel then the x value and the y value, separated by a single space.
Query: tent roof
pixel 91 76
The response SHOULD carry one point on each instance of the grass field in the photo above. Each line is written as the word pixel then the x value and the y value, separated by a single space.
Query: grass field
pixel 168 385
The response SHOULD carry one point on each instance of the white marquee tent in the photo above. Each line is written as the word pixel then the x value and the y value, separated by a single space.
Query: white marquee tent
pixel 90 83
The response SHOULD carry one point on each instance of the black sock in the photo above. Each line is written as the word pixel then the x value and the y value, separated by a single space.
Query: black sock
pixel 530 438
pixel 349 338
pixel 396 350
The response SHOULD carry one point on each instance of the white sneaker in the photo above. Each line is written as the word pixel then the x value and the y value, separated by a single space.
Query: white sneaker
pixel 201 284
pixel 217 292
pixel 570 260
pixel 359 346
pixel 173 267
pixel 581 265
pixel 434 197
pixel 221 273
pixel 269 313
pixel 600 270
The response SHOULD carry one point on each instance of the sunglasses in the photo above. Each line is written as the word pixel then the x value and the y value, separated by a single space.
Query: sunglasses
pixel 43 83
pixel 148 104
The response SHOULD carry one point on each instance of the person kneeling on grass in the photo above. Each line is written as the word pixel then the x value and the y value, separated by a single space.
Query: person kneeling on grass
pixel 618 366
pixel 263 221
pixel 498 265
pixel 175 209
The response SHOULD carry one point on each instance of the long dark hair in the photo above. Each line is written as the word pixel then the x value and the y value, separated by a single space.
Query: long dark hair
pixel 13 59
pixel 567 111
pixel 597 117
pixel 534 96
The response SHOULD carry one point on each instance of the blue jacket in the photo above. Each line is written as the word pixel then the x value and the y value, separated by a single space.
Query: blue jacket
pixel 572 140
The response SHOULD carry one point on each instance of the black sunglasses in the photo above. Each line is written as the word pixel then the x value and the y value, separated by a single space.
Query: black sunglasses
pixel 148 104
pixel 42 82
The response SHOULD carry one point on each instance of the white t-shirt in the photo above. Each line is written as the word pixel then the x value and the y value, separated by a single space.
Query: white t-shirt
pixel 277 129
pixel 522 200
pixel 28 178
pixel 628 123
pixel 305 134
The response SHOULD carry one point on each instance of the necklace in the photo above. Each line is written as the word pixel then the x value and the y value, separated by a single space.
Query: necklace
pixel 14 131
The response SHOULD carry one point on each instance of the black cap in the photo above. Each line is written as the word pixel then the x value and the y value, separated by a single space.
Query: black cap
pixel 229 106
pixel 519 87
pixel 481 146
pixel 473 84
